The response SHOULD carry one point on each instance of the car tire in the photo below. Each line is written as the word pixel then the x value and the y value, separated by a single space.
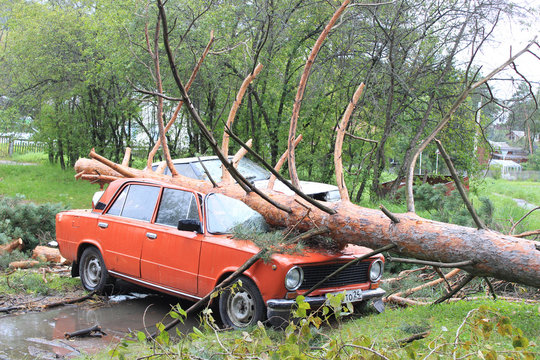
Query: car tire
pixel 241 306
pixel 92 270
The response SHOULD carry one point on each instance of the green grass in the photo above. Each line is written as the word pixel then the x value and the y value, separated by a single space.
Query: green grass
pixel 44 182
pixel 479 323
pixel 443 321
pixel 31 282
pixel 507 211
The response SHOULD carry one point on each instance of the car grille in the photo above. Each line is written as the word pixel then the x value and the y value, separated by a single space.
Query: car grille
pixel 354 274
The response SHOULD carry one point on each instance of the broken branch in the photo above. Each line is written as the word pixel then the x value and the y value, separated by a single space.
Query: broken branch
pixel 225 177
pixel 280 178
pixel 302 87
pixel 459 185
pixel 338 163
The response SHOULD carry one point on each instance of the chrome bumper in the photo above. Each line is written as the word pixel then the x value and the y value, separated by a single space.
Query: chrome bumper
pixel 286 304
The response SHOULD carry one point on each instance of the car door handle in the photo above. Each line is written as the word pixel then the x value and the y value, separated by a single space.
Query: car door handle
pixel 102 225
pixel 151 235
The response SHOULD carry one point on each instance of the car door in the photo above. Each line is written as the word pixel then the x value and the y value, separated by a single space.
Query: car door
pixel 170 257
pixel 124 226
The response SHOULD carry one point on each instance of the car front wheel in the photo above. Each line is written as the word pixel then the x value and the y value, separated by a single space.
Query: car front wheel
pixel 94 275
pixel 241 306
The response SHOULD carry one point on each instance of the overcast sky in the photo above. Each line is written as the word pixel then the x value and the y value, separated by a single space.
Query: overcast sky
pixel 514 33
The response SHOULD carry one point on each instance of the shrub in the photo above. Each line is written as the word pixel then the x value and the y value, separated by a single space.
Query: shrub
pixel 33 223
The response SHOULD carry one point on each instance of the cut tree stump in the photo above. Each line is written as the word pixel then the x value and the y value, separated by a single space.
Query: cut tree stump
pixel 49 254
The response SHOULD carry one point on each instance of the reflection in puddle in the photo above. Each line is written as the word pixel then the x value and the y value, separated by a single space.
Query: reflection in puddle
pixel 41 335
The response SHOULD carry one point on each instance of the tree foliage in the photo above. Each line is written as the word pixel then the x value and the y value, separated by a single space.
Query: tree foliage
pixel 74 67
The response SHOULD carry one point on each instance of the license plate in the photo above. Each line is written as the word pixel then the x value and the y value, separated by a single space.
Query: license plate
pixel 350 295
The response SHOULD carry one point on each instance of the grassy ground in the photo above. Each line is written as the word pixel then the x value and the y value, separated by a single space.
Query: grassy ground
pixel 507 212
pixel 44 182
pixel 33 282
pixel 484 328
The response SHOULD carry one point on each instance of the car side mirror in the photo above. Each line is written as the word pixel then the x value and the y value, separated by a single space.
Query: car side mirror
pixel 190 225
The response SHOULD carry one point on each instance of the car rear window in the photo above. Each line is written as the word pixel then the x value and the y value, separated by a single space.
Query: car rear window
pixel 177 205
pixel 135 202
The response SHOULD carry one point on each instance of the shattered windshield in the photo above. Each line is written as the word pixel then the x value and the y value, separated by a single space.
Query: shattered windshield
pixel 225 214
pixel 250 170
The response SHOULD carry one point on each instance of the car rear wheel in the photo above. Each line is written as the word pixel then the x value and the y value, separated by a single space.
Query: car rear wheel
pixel 241 306
pixel 94 275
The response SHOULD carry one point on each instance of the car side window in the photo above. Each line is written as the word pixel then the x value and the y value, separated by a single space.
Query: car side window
pixel 136 202
pixel 176 205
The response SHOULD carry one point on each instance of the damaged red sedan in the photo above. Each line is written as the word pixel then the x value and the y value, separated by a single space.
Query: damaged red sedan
pixel 179 241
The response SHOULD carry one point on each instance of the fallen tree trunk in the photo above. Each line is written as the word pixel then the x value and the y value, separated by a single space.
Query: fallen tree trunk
pixel 491 254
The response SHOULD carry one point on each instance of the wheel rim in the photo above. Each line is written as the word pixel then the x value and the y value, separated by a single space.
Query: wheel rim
pixel 92 272
pixel 241 308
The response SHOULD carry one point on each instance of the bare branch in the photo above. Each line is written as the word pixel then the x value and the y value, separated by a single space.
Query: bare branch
pixel 225 177
pixel 302 87
pixel 245 184
pixel 361 138
pixel 459 185
pixel 175 115
pixel 338 163
pixel 280 178
pixel 240 154
pixel 127 156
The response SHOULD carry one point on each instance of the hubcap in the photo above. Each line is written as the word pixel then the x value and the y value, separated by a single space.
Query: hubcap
pixel 93 272
pixel 241 308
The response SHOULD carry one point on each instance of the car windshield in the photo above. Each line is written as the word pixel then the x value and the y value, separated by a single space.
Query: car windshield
pixel 224 214
pixel 250 170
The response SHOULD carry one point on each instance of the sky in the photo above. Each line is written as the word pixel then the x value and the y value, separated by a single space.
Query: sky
pixel 510 36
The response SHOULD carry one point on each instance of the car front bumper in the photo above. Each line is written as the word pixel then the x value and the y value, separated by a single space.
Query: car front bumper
pixel 278 310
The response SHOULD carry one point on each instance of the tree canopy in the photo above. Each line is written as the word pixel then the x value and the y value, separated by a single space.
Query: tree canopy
pixel 74 69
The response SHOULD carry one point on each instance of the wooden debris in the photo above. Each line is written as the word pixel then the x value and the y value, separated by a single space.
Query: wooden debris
pixel 48 254
pixel 94 331
pixel 66 302
pixel 412 338
pixel 12 246
pixel 24 264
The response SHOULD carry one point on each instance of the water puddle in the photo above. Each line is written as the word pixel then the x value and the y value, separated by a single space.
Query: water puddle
pixel 41 334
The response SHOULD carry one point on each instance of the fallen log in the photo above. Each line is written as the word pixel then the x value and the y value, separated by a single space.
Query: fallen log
pixel 11 246
pixel 23 264
pixel 489 253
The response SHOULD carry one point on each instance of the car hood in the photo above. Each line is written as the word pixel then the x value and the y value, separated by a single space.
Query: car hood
pixel 308 187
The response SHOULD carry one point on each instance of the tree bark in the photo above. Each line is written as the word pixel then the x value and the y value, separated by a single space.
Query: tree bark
pixel 10 247
pixel 492 254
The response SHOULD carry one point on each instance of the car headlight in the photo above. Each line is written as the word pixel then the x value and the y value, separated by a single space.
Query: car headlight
pixel 376 270
pixel 294 278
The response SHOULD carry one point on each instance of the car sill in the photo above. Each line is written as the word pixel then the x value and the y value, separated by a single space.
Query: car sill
pixel 154 286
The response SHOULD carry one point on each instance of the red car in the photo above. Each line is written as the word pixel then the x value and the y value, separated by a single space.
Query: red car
pixel 179 241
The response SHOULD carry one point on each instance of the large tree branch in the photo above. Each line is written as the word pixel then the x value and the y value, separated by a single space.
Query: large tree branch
pixel 338 163
pixel 225 177
pixel 301 89
pixel 245 184
pixel 180 103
